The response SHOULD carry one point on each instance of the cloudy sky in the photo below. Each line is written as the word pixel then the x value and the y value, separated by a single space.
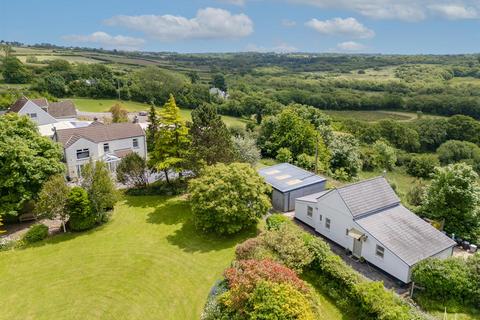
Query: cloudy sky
pixel 372 26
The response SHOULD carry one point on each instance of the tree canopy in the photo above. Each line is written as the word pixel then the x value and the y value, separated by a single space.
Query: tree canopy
pixel 27 160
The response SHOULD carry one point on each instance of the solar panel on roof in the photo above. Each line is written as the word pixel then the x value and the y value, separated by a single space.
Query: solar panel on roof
pixel 283 177
pixel 294 181
pixel 272 172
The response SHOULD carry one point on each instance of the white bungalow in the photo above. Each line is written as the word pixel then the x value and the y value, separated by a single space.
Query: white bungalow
pixel 368 219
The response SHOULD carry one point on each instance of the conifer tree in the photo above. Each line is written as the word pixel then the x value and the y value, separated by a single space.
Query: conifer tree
pixel 152 127
pixel 171 141
pixel 211 140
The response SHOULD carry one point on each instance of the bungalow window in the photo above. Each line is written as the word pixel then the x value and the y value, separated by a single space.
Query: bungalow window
pixel 32 115
pixel 380 251
pixel 309 211
pixel 83 153
pixel 327 223
pixel 135 143
pixel 106 147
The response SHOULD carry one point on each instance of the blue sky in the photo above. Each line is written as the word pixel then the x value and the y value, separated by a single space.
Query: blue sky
pixel 372 26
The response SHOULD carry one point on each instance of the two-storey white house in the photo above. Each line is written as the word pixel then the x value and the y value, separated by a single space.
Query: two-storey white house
pixel 368 219
pixel 98 141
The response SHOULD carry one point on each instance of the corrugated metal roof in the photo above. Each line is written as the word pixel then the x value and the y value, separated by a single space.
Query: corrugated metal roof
pixel 405 234
pixel 286 177
pixel 368 196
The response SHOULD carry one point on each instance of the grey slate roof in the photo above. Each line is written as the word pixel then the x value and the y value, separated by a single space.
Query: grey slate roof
pixel 286 177
pixel 62 109
pixel 99 133
pixel 405 234
pixel 368 196
pixel 314 197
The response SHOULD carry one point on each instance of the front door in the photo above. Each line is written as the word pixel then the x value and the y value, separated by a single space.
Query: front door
pixel 357 248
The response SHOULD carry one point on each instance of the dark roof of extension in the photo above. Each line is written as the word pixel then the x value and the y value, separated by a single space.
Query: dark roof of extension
pixel 286 177
pixel 368 196
pixel 18 105
pixel 405 234
pixel 99 133
pixel 62 109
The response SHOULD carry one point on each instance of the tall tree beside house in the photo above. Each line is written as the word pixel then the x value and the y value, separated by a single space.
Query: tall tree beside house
pixel 98 183
pixel 27 160
pixel 119 114
pixel 132 171
pixel 172 142
pixel 52 200
pixel 211 140
pixel 454 197
pixel 152 129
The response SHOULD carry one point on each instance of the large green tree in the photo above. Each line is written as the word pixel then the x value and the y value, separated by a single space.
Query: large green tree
pixel 226 199
pixel 287 130
pixel 454 197
pixel 53 199
pixel 345 162
pixel 211 140
pixel 27 160
pixel 172 142
pixel 455 151
pixel 384 155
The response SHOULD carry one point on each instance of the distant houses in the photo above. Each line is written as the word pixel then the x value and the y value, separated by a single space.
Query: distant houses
pixel 43 112
pixel 98 141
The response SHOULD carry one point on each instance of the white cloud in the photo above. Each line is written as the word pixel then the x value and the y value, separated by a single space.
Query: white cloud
pixel 288 23
pixel 209 23
pixel 107 40
pixel 233 2
pixel 338 26
pixel 455 11
pixel 350 46
pixel 280 48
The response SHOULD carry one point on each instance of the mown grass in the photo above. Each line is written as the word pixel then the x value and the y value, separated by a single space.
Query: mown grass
pixel 149 262
pixel 102 105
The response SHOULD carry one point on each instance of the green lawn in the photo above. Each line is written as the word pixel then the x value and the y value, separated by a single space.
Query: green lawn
pixel 149 262
pixel 102 105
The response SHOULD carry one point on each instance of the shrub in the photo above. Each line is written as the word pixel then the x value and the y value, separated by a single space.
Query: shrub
pixel 79 208
pixel 226 199
pixel 416 193
pixel 422 165
pixel 36 233
pixel 384 156
pixel 253 248
pixel 132 171
pixel 275 220
pixel 288 245
pixel 449 279
pixel 284 155
pixel 278 301
pixel 243 277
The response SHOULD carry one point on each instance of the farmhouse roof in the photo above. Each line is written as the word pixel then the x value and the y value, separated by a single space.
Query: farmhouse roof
pixel 62 109
pixel 41 102
pixel 99 133
pixel 286 177
pixel 405 234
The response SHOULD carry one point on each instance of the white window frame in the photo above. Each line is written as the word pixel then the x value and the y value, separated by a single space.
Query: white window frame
pixel 309 212
pixel 33 115
pixel 380 251
pixel 328 223
pixel 86 150
pixel 135 143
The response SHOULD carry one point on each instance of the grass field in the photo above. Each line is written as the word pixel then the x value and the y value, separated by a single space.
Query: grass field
pixel 148 262
pixel 102 105
pixel 398 177
pixel 376 115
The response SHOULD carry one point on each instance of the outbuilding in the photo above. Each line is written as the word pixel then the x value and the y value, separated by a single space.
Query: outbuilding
pixel 290 182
